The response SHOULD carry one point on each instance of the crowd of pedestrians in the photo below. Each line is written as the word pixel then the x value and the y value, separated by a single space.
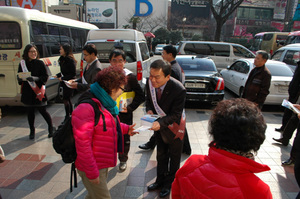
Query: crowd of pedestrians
pixel 236 126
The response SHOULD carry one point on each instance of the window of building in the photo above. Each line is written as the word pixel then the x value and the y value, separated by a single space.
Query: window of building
pixel 255 13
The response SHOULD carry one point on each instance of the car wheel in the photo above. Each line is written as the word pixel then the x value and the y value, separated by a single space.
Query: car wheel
pixel 59 97
pixel 241 92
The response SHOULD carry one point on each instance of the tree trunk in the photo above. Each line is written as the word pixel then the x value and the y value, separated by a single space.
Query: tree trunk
pixel 218 30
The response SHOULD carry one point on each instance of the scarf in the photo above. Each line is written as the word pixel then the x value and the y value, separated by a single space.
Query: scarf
pixel 111 106
pixel 104 98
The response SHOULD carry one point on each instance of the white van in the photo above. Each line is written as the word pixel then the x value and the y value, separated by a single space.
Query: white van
pixel 222 53
pixel 132 42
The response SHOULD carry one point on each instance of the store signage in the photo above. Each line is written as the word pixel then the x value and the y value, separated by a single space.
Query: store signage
pixel 138 8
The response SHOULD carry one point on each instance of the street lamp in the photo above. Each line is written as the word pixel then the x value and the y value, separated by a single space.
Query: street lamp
pixel 183 20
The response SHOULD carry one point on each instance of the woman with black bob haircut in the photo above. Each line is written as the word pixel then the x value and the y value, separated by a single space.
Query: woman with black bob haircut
pixel 237 128
pixel 33 88
pixel 67 65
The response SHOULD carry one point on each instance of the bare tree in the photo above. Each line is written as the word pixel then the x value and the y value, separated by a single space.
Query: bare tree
pixel 221 11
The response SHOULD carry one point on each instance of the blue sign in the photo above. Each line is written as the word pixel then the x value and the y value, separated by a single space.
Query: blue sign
pixel 137 8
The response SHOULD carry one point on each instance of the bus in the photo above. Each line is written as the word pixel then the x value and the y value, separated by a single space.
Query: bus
pixel 268 41
pixel 19 27
pixel 293 37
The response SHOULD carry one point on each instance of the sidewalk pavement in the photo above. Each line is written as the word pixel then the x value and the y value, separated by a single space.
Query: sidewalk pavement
pixel 34 170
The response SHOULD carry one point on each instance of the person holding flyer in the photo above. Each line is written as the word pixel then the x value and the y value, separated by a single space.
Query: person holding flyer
pixel 33 87
pixel 165 96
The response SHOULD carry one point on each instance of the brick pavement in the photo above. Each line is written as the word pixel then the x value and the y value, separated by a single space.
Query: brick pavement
pixel 34 170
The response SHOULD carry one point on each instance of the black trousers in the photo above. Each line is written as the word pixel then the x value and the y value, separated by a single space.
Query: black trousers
pixel 287 114
pixel 168 157
pixel 290 127
pixel 43 112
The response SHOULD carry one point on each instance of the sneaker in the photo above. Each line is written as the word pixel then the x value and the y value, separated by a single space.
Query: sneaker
pixel 288 162
pixel 122 166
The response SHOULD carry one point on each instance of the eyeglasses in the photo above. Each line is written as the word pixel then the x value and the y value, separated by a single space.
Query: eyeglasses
pixel 33 51
pixel 117 61
pixel 123 89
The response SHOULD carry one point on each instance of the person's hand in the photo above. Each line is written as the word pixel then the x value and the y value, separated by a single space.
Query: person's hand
pixel 95 181
pixel 150 112
pixel 298 107
pixel 131 131
pixel 124 110
pixel 155 126
pixel 2 158
pixel 73 84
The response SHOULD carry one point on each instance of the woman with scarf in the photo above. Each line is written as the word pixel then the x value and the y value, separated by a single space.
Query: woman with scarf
pixel 67 64
pixel 33 88
pixel 97 146
pixel 238 129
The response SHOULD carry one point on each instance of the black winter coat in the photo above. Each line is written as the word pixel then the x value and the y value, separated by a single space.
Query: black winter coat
pixel 67 68
pixel 37 69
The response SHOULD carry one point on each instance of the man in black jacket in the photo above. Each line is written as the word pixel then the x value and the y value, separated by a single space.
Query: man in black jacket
pixel 118 58
pixel 165 96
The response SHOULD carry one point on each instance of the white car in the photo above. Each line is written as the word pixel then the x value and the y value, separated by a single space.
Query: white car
pixel 159 49
pixel 235 77
pixel 289 54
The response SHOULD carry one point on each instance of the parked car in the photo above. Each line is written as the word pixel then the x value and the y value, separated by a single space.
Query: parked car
pixel 236 75
pixel 289 54
pixel 159 49
pixel 202 80
pixel 222 53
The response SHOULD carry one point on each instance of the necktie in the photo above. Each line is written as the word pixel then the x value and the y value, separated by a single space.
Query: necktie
pixel 87 67
pixel 158 94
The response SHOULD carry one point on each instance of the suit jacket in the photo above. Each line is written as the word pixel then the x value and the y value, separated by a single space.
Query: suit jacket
pixel 257 85
pixel 294 86
pixel 176 71
pixel 89 76
pixel 172 103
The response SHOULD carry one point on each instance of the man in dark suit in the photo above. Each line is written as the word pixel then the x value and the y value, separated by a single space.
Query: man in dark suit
pixel 259 80
pixel 90 71
pixel 165 96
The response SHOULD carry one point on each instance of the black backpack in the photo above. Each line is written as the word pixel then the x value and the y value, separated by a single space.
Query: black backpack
pixel 64 143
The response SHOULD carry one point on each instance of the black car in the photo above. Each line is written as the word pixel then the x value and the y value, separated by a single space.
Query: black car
pixel 202 79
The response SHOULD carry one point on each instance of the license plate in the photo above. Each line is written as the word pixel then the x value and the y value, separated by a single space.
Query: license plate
pixel 194 85
pixel 283 89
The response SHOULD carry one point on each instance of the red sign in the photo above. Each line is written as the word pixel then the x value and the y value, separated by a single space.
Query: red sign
pixel 26 3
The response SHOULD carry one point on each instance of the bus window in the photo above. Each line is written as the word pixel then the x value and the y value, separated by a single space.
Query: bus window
pixel 10 36
pixel 79 37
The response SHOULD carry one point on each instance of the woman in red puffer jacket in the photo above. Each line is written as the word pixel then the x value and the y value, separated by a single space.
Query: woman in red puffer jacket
pixel 238 129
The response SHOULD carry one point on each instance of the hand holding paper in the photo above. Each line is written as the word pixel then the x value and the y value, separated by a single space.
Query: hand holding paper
pixel 289 105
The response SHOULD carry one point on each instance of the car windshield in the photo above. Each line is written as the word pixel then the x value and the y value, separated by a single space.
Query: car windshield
pixel 278 70
pixel 196 64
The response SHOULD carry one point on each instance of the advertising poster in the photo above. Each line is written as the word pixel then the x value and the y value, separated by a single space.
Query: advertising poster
pixel 100 12
pixel 30 4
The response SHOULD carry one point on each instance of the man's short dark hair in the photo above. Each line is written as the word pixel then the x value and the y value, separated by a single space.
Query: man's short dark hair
pixel 90 48
pixel 263 53
pixel 170 49
pixel 162 64
pixel 117 52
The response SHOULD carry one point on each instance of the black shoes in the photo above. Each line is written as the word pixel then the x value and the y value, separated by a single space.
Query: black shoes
pixel 153 187
pixel 146 146
pixel 32 134
pixel 164 192
pixel 122 166
pixel 279 129
pixel 282 141
pixel 288 162
pixel 51 131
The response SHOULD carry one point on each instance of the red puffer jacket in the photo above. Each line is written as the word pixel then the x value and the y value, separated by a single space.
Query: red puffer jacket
pixel 96 149
pixel 221 174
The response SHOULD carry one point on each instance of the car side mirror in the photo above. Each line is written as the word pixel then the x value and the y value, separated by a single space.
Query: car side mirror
pixel 228 67
pixel 151 54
